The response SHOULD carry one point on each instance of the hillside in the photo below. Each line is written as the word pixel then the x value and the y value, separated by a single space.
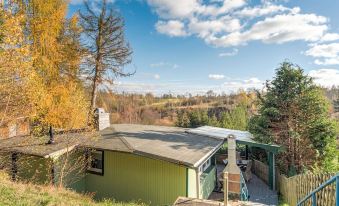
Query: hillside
pixel 32 195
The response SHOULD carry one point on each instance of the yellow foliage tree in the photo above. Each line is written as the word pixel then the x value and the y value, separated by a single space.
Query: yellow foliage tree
pixel 58 92
pixel 15 67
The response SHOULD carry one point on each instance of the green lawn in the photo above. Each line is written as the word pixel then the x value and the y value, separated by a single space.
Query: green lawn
pixel 19 194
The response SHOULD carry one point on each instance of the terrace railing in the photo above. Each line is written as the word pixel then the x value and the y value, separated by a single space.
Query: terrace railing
pixel 243 188
pixel 313 194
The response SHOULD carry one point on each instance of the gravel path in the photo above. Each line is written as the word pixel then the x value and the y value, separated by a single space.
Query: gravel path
pixel 260 193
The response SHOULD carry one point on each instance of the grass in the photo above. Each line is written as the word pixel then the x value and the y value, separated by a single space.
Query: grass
pixel 282 202
pixel 20 194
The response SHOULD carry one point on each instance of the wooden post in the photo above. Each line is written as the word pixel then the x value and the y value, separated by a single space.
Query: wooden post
pixel 52 173
pixel 225 188
pixel 271 170
pixel 14 165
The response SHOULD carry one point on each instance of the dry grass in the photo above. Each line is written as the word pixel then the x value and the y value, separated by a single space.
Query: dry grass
pixel 20 194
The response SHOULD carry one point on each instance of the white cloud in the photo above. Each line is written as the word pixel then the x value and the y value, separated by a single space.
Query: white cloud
pixel 174 9
pixel 326 54
pixel 216 9
pixel 325 77
pixel 179 9
pixel 265 9
pixel 324 50
pixel 253 80
pixel 252 83
pixel 226 23
pixel 164 64
pixel 156 76
pixel 227 54
pixel 205 28
pixel 327 61
pixel 278 29
pixel 330 37
pixel 171 28
pixel 216 76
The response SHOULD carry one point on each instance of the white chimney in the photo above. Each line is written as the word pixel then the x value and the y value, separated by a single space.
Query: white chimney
pixel 102 119
pixel 232 166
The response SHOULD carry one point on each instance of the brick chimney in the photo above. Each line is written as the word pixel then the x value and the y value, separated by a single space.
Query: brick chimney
pixel 232 168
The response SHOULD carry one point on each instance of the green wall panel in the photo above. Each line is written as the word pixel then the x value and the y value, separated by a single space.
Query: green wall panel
pixel 72 167
pixel 129 177
pixel 33 169
pixel 207 182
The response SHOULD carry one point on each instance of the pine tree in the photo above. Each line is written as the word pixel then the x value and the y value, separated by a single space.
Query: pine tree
pixel 295 114
pixel 108 51
pixel 235 119
pixel 336 103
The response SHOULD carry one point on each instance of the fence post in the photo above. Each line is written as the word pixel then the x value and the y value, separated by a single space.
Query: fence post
pixel 314 199
pixel 337 191
pixel 225 188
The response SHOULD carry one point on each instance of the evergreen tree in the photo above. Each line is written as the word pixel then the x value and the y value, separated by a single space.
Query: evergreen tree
pixel 194 118
pixel 185 120
pixel 213 121
pixel 235 119
pixel 336 103
pixel 295 114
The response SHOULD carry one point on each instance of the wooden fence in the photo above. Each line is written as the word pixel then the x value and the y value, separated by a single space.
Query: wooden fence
pixel 260 169
pixel 293 189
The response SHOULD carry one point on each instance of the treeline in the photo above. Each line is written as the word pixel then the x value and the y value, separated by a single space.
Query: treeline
pixel 170 110
pixel 236 118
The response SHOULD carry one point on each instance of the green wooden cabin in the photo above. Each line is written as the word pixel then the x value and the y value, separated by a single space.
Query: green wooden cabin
pixel 152 164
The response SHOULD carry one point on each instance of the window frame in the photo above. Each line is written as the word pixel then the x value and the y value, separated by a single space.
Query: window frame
pixel 93 170
pixel 204 166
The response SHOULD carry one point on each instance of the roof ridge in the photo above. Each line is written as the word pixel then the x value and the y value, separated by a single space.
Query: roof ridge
pixel 126 143
pixel 204 135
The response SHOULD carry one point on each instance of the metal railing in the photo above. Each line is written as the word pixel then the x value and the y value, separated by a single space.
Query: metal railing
pixel 243 189
pixel 313 194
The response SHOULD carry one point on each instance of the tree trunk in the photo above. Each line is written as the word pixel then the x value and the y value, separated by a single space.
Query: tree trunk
pixel 97 71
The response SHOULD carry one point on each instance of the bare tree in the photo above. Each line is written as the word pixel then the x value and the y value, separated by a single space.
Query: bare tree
pixel 108 51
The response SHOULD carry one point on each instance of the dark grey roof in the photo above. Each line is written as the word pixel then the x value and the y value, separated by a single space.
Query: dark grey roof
pixel 171 144
pixel 168 143
pixel 38 146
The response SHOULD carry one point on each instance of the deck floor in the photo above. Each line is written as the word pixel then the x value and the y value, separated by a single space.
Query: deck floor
pixel 260 193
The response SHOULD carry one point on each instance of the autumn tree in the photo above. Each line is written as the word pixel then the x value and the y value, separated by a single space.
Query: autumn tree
pixel 295 114
pixel 108 51
pixel 15 66
pixel 57 92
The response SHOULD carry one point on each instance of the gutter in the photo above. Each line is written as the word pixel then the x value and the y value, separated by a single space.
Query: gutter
pixel 209 154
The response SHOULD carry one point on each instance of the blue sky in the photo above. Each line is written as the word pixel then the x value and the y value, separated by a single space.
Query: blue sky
pixel 192 46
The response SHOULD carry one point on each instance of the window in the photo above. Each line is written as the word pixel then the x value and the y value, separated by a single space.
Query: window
pixel 96 164
pixel 205 166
